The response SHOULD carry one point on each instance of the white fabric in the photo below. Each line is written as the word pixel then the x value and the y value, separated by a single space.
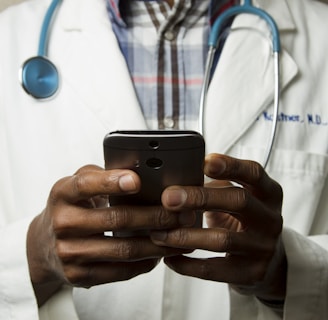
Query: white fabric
pixel 41 142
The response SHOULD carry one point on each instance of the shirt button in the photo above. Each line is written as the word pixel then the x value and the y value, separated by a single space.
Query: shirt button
pixel 169 122
pixel 169 35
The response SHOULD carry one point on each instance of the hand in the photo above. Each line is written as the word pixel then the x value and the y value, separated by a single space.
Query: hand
pixel 66 242
pixel 244 221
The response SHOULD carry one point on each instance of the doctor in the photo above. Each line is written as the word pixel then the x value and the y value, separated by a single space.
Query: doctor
pixel 275 229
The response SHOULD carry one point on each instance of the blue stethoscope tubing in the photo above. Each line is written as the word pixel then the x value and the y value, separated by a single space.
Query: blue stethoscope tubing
pixel 213 42
pixel 38 75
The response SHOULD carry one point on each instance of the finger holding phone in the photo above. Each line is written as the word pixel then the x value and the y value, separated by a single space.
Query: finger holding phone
pixel 67 243
pixel 244 221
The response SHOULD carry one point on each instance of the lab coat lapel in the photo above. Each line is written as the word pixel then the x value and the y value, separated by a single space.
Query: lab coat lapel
pixel 243 83
pixel 92 66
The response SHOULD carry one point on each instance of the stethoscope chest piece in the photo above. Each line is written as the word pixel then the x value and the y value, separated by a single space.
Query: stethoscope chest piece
pixel 39 77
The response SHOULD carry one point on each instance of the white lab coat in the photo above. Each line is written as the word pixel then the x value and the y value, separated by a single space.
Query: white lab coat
pixel 41 142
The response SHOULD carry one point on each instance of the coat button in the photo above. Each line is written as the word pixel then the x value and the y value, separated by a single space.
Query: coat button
pixel 169 35
pixel 169 123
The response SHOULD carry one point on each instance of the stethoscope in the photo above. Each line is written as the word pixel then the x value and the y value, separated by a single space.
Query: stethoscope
pixel 213 44
pixel 39 76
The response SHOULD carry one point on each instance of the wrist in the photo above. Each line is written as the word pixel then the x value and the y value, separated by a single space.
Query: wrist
pixel 44 291
pixel 45 282
pixel 273 287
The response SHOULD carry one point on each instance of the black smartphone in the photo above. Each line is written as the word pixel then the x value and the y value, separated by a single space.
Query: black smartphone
pixel 160 158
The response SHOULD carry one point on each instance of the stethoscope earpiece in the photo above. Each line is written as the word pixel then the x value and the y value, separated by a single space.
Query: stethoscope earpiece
pixel 39 77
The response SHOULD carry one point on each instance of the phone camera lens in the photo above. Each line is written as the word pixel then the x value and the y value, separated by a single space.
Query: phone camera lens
pixel 154 144
pixel 154 163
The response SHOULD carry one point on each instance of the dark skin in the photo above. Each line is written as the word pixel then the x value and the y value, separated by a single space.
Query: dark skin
pixel 245 222
pixel 66 242
pixel 66 245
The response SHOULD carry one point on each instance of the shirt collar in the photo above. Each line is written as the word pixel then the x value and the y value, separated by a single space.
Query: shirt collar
pixel 116 10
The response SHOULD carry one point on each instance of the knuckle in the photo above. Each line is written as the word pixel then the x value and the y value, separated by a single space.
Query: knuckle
pixel 56 192
pixel 278 191
pixel 71 251
pixel 61 224
pixel 241 199
pixel 163 219
pixel 224 241
pixel 117 219
pixel 274 225
pixel 206 271
pixel 58 225
pixel 257 172
pixel 127 250
pixel 63 253
pixel 79 182
pixel 199 196
pixel 89 278
pixel 77 276
pixel 88 168
pixel 180 236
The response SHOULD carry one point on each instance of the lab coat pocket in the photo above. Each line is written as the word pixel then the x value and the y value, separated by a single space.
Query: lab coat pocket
pixel 303 177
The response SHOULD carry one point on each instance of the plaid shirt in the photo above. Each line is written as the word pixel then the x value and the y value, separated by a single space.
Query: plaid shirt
pixel 165 51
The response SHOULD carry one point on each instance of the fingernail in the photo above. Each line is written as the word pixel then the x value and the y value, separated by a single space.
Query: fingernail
pixel 127 183
pixel 216 166
pixel 175 197
pixel 159 236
